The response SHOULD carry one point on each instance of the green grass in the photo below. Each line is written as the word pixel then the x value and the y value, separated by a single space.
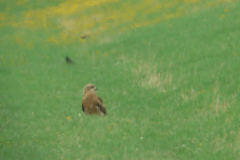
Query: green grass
pixel 170 87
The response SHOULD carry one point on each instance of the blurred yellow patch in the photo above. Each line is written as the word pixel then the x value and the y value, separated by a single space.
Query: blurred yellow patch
pixel 21 2
pixel 2 16
pixel 74 18
pixel 29 45
pixel 52 40
pixel 222 16
pixel 105 54
pixel 67 118
pixel 3 60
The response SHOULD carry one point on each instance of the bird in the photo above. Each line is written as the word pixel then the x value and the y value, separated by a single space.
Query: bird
pixel 68 60
pixel 84 36
pixel 91 103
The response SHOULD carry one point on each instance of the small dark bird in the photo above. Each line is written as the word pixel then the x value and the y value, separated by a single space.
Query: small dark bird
pixel 91 103
pixel 84 36
pixel 68 60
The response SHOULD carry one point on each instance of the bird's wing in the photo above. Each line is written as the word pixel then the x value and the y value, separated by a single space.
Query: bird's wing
pixel 101 106
pixel 82 108
pixel 100 99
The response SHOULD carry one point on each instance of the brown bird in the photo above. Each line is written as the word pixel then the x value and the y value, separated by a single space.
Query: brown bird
pixel 68 60
pixel 84 36
pixel 91 103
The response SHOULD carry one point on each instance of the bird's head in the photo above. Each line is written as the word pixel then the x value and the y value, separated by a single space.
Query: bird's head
pixel 89 88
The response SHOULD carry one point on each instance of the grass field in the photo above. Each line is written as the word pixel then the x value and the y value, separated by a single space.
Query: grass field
pixel 167 71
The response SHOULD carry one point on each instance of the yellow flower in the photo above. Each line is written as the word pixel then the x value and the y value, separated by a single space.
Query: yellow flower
pixel 67 118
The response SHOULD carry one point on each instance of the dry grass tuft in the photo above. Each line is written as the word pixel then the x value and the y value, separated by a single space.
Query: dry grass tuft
pixel 149 77
pixel 220 106
pixel 188 94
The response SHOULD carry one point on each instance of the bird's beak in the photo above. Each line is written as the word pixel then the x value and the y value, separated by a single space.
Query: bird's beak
pixel 96 89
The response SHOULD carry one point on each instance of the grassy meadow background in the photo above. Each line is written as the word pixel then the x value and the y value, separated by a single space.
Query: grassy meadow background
pixel 167 71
